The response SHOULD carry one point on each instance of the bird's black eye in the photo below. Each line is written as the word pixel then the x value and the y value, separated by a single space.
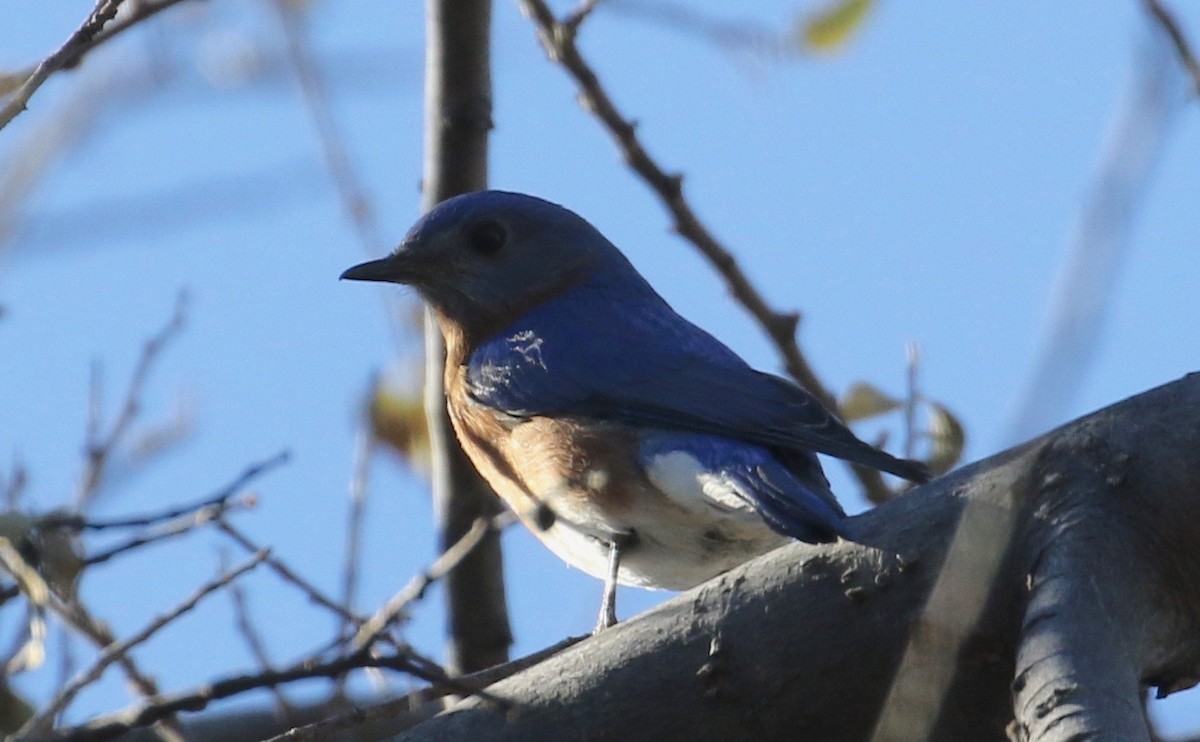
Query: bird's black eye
pixel 486 238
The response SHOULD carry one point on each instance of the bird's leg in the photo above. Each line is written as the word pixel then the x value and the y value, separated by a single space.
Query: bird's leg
pixel 608 603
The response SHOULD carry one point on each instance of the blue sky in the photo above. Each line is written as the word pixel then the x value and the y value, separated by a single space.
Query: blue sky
pixel 921 186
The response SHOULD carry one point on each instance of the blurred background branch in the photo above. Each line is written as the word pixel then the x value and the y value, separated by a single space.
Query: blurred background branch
pixel 458 119
pixel 1084 290
pixel 1178 40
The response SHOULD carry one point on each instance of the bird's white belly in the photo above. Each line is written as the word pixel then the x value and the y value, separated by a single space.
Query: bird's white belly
pixel 687 528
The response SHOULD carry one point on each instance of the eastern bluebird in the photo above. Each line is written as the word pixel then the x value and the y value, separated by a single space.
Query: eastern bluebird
pixel 633 444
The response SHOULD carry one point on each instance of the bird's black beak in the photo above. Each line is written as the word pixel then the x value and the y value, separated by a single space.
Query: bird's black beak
pixel 391 269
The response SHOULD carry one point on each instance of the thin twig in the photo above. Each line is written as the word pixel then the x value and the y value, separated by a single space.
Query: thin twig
pixel 12 486
pixel 417 701
pixel 217 500
pixel 102 13
pixel 101 446
pixel 416 587
pixel 180 526
pixel 356 516
pixel 150 712
pixel 256 645
pixel 333 147
pixel 1182 48
pixel 733 35
pixel 170 523
pixel 355 201
pixel 360 473
pixel 117 650
pixel 580 14
pixel 94 31
pixel 371 630
pixel 558 39
pixel 288 575
pixel 913 354
pixel 77 616
pixel 51 138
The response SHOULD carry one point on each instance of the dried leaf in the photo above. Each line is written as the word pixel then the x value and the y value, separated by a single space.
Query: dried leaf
pixel 829 29
pixel 862 401
pixel 947 439
pixel 398 421
pixel 60 557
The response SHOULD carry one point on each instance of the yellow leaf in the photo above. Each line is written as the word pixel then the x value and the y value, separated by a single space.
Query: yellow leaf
pixel 398 421
pixel 828 29
pixel 862 401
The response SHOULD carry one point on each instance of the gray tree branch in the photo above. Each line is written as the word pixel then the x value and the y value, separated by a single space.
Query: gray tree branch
pixel 98 28
pixel 458 117
pixel 1071 585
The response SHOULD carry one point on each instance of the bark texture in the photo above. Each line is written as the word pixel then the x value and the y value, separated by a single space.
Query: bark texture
pixel 458 118
pixel 1030 596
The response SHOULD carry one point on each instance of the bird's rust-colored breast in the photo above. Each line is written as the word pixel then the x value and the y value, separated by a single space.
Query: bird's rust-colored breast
pixel 569 465
pixel 550 461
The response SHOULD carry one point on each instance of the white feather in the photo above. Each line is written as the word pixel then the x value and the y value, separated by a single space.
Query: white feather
pixel 681 477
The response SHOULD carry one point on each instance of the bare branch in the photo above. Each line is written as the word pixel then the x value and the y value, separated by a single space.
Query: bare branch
pixel 417 704
pixel 369 632
pixel 13 485
pixel 196 700
pixel 458 117
pixel 92 33
pixel 256 645
pixel 358 498
pixel 115 651
pixel 218 500
pixel 169 523
pixel 333 146
pixel 100 446
pixel 288 575
pixel 178 527
pixel 558 39
pixel 77 617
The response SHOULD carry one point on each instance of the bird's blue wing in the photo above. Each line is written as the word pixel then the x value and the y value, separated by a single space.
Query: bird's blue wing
pixel 794 501
pixel 633 359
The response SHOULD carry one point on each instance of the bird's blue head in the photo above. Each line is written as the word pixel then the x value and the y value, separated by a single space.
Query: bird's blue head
pixel 487 257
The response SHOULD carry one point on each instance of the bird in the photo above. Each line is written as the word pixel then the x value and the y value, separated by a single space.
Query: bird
pixel 632 443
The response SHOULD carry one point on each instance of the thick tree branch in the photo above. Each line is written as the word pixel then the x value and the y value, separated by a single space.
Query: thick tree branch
pixel 1093 534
